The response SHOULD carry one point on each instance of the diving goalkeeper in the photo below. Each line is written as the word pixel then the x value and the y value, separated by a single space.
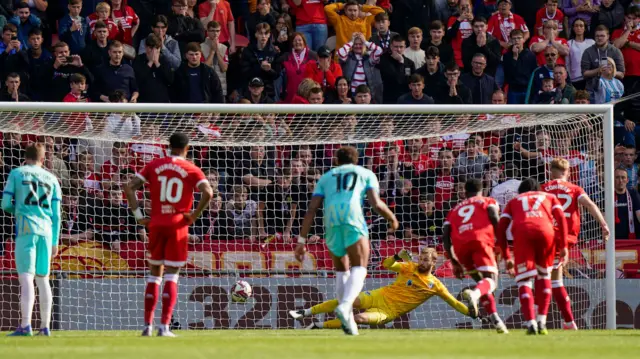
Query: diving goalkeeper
pixel 413 286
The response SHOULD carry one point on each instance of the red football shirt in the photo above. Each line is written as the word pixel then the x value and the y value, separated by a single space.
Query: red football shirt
pixel 469 222
pixel 542 17
pixel 144 153
pixel 375 151
pixel 568 194
pixel 465 30
pixel 631 55
pixel 540 55
pixel 575 158
pixel 532 210
pixel 500 27
pixel 172 181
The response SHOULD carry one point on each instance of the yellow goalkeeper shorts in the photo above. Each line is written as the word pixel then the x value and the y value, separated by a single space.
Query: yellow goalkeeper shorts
pixel 375 307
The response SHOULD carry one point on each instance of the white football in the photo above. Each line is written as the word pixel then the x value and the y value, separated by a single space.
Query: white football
pixel 241 291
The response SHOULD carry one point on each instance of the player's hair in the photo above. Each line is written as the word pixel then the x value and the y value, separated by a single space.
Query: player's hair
pixel 178 141
pixel 559 164
pixel 473 186
pixel 347 155
pixel 35 152
pixel 529 184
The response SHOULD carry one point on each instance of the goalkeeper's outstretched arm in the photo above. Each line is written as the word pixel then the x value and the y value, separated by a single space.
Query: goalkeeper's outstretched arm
pixel 453 302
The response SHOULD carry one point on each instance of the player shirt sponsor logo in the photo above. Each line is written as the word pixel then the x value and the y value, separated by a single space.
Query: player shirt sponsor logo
pixel 409 283
pixel 465 228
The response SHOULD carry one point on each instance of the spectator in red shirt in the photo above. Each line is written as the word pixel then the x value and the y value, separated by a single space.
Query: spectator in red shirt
pixel 310 21
pixel 627 40
pixel 459 28
pixel 376 153
pixel 220 11
pixel 549 39
pixel 501 24
pixel 77 123
pixel 550 11
pixel 126 19
pixel 110 170
pixel 323 71
pixel 103 12
pixel 294 64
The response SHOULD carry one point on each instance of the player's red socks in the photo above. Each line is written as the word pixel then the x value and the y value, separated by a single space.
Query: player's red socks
pixel 489 303
pixel 561 297
pixel 543 296
pixel 169 297
pixel 526 301
pixel 151 298
pixel 485 286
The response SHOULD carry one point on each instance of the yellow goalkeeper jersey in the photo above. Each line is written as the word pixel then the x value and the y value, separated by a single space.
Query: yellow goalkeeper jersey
pixel 412 288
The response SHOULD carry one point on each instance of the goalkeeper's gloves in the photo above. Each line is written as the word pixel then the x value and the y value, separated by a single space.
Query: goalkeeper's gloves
pixel 405 255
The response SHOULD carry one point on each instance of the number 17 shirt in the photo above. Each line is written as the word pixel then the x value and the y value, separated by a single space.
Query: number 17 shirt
pixel 172 181
pixel 343 189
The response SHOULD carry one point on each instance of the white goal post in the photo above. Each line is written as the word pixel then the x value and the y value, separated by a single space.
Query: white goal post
pixel 284 131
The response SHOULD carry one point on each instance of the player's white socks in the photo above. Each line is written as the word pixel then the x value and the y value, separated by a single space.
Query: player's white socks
pixel 341 282
pixel 541 319
pixel 354 284
pixel 27 297
pixel 46 300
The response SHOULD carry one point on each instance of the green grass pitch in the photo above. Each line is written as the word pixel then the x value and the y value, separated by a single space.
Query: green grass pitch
pixel 325 344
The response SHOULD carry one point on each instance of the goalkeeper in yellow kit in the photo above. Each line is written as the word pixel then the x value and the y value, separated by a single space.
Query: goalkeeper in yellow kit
pixel 413 286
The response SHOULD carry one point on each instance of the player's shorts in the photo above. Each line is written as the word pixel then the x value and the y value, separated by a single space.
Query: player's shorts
pixel 339 238
pixel 534 252
pixel 33 254
pixel 168 245
pixel 374 305
pixel 475 257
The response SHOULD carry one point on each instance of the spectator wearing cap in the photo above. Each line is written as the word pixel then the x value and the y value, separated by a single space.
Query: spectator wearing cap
pixel 170 47
pixel 220 11
pixel 541 73
pixel 96 53
pixel 255 92
pixel 153 72
pixel 481 85
pixel 595 57
pixel 416 95
pixel 310 21
pixel 183 28
pixel 25 21
pixel 115 75
pixel 258 60
pixel 73 28
pixel 323 71
pixel 395 70
pixel 432 72
pixel 350 21
pixel 195 82
pixel 549 38
pixel 358 59
pixel 216 54
pixel 382 36
pixel 519 62
pixel 437 40
pixel 294 64
pixel 481 42
pixel 610 14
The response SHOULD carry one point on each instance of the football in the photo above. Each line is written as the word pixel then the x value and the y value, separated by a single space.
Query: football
pixel 240 292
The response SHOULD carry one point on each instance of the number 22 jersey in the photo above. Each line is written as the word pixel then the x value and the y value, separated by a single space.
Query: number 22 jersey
pixel 568 194
pixel 343 189
pixel 172 181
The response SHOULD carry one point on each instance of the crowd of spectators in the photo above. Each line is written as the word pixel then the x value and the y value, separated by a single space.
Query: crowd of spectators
pixel 313 52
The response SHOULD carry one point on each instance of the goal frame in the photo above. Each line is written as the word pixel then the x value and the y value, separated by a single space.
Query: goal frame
pixel 606 110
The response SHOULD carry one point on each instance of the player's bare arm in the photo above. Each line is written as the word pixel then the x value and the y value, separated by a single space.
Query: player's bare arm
pixel 130 192
pixel 207 193
pixel 503 224
pixel 593 209
pixel 381 208
pixel 300 250
pixel 446 239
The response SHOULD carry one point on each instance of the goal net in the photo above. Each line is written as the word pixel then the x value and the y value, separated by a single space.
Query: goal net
pixel 263 163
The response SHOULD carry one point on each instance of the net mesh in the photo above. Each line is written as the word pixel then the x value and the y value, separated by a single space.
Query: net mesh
pixel 421 160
